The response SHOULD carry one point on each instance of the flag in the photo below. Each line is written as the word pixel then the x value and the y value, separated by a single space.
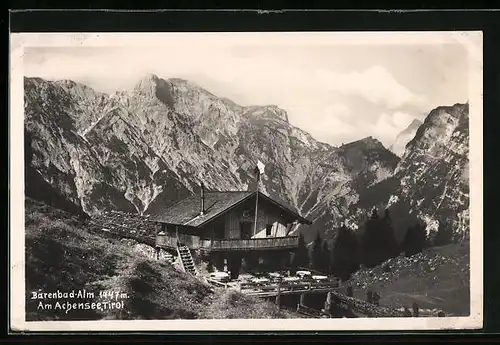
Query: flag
pixel 260 167
pixel 259 170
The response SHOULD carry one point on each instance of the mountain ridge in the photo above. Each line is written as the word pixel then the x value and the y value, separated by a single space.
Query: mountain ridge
pixel 135 150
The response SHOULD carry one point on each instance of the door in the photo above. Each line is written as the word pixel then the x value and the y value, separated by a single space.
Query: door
pixel 245 231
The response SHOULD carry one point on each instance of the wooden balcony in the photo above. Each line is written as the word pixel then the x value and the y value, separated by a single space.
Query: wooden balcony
pixel 195 242
pixel 270 243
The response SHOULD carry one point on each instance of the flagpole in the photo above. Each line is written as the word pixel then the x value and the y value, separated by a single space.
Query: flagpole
pixel 256 202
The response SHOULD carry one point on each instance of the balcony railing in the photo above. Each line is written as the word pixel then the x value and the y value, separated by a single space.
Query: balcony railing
pixel 255 243
pixel 194 242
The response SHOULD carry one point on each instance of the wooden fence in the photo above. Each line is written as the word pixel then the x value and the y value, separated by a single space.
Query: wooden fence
pixel 362 307
pixel 216 283
pixel 284 288
pixel 334 299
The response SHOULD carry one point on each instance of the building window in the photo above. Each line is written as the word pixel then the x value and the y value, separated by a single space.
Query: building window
pixel 268 229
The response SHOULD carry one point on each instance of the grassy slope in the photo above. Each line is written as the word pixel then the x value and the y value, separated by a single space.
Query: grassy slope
pixel 438 278
pixel 61 254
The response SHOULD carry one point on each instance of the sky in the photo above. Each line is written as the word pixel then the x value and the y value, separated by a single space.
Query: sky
pixel 338 93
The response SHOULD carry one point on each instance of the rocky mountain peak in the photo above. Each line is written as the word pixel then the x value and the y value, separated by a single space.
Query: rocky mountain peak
pixel 180 81
pixel 414 124
pixel 399 145
pixel 147 83
pixel 278 112
pixel 267 112
pixel 365 143
pixel 430 181
pixel 33 80
pixel 151 86
pixel 193 92
pixel 143 149
pixel 440 125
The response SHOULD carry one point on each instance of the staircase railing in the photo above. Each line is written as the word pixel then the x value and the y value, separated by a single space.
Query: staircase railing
pixel 187 260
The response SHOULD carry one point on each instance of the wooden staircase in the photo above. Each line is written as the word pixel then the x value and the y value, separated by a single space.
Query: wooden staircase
pixel 186 259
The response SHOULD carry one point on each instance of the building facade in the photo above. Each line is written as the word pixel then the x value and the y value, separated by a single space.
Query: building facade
pixel 240 230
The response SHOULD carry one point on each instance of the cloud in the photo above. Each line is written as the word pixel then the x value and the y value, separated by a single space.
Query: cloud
pixel 332 102
pixel 327 122
pixel 389 125
pixel 123 67
pixel 375 84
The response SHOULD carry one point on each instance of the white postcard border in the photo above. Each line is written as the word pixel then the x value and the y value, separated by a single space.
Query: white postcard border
pixel 472 40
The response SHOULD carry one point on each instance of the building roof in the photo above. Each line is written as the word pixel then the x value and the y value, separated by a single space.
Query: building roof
pixel 186 212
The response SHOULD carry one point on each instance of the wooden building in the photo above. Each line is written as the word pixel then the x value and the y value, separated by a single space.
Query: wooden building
pixel 228 226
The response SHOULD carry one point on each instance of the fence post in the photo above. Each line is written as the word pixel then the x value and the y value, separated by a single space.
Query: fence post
pixel 415 309
pixel 301 301
pixel 328 302
pixel 278 295
pixel 376 298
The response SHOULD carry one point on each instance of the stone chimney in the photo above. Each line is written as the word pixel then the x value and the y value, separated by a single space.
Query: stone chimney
pixel 202 199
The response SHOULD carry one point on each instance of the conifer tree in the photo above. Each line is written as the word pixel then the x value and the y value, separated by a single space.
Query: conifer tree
pixel 379 242
pixel 370 241
pixel 301 257
pixel 407 245
pixel 317 253
pixel 353 245
pixel 389 242
pixel 325 260
pixel 444 234
pixel 344 253
pixel 415 239
pixel 421 235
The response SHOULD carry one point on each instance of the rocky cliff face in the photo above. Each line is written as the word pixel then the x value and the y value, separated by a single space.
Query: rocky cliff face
pixel 434 171
pixel 136 151
pixel 431 182
pixel 403 138
pixel 92 152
